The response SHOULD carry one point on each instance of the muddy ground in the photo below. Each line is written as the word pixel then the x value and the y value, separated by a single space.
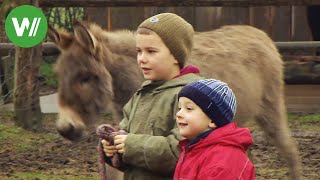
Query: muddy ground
pixel 57 158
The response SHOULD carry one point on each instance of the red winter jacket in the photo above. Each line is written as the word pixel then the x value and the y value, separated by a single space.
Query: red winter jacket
pixel 220 155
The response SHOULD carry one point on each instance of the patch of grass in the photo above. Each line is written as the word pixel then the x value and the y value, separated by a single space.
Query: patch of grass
pixel 6 114
pixel 14 138
pixel 307 118
pixel 46 70
pixel 18 138
pixel 304 121
pixel 56 176
pixel 296 121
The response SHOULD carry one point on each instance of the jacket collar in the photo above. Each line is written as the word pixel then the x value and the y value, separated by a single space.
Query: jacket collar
pixel 189 69
pixel 198 138
pixel 229 134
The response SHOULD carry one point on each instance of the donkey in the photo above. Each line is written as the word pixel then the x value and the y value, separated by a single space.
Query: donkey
pixel 98 70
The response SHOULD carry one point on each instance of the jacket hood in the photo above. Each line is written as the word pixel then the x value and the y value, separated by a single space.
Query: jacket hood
pixel 228 135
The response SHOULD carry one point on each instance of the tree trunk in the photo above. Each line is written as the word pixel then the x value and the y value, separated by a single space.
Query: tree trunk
pixel 26 88
pixel 5 8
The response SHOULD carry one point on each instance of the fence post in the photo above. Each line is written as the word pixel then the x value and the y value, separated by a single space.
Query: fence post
pixel 7 77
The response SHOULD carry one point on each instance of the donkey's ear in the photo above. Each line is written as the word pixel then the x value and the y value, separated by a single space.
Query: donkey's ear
pixel 61 39
pixel 53 34
pixel 84 36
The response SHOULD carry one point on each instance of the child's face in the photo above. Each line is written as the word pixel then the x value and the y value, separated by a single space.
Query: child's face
pixel 191 120
pixel 155 59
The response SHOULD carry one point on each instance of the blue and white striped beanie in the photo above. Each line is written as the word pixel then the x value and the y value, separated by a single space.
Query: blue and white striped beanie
pixel 215 99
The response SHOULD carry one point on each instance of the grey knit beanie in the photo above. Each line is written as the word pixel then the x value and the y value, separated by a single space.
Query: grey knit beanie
pixel 215 99
pixel 175 32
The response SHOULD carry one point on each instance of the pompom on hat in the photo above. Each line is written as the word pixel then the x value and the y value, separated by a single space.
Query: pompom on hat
pixel 215 99
pixel 175 32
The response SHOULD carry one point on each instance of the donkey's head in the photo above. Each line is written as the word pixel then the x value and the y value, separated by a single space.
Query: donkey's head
pixel 85 84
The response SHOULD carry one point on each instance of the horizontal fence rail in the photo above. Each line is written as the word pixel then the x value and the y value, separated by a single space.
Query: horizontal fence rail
pixel 298 44
pixel 157 3
pixel 50 48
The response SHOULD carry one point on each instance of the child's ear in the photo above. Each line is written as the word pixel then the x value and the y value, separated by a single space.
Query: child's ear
pixel 212 125
pixel 176 61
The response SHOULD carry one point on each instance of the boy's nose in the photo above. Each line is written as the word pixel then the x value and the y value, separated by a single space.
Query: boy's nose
pixel 141 58
pixel 179 115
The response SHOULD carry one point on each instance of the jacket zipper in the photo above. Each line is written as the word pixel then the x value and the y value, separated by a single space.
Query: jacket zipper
pixel 182 160
pixel 183 157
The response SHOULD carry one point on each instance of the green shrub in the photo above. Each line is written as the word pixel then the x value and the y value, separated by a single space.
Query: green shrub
pixel 47 72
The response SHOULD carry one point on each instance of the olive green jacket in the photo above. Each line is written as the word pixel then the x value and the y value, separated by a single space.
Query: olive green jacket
pixel 151 147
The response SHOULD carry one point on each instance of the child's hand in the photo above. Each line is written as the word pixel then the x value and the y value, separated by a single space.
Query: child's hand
pixel 108 149
pixel 119 142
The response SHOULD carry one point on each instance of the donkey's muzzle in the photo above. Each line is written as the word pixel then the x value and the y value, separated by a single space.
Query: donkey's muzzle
pixel 71 133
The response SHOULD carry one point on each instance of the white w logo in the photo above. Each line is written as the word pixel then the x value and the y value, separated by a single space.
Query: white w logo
pixel 25 24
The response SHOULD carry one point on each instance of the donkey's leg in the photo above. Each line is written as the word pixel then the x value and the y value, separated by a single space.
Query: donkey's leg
pixel 273 121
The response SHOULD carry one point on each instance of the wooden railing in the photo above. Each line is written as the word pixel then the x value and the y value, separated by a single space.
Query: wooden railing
pixel 130 3
pixel 50 48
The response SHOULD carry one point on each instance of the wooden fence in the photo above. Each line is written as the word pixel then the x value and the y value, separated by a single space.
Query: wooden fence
pixel 127 3
pixel 283 20
pixel 284 23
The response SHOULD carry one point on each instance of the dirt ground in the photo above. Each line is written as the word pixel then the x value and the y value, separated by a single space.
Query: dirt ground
pixel 268 161
pixel 57 158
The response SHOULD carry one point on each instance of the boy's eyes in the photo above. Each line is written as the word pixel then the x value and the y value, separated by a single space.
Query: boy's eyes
pixel 151 51
pixel 187 108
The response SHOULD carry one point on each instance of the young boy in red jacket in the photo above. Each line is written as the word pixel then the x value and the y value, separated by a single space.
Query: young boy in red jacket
pixel 214 148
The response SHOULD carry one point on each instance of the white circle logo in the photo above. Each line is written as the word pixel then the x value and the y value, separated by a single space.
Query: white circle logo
pixel 154 19
pixel 26 26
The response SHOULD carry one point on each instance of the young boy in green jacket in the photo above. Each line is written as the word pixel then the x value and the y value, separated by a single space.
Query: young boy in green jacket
pixel 150 150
